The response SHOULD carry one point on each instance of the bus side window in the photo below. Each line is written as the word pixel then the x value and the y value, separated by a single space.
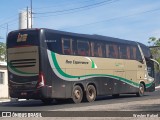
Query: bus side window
pixel 74 47
pixel 138 54
pixel 128 52
pixel 83 48
pixel 66 46
pixel 113 51
pixel 133 52
pixel 123 51
pixel 103 50
pixel 96 49
pixel 100 50
pixel 107 50
pixel 92 49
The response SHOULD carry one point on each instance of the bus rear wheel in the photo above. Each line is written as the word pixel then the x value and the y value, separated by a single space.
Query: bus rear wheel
pixel 141 90
pixel 90 93
pixel 77 94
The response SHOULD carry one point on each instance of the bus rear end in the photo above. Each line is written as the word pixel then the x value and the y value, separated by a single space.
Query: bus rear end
pixel 25 79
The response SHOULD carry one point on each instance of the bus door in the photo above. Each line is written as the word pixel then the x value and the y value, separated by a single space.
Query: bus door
pixel 154 70
pixel 150 68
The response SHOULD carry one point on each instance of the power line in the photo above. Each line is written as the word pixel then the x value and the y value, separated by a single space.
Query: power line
pixel 65 12
pixel 77 8
pixel 3 26
pixel 115 18
pixel 71 2
pixel 8 17
pixel 10 21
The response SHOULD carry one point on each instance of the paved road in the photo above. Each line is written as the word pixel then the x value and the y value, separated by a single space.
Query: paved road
pixel 36 105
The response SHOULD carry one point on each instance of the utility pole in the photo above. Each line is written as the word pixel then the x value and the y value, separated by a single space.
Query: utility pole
pixel 27 17
pixel 31 13
pixel 6 31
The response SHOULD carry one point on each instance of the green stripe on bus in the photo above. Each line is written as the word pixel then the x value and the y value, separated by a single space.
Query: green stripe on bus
pixel 93 64
pixel 18 71
pixel 53 55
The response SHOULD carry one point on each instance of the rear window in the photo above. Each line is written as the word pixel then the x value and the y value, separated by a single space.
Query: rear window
pixel 22 38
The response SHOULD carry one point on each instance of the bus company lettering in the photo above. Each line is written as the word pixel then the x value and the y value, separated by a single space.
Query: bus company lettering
pixel 22 37
pixel 76 62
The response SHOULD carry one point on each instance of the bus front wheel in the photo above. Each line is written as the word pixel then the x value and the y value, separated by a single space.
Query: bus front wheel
pixel 77 94
pixel 141 90
pixel 90 93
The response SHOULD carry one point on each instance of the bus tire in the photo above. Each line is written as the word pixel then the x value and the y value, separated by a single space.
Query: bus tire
pixel 141 90
pixel 47 101
pixel 77 94
pixel 90 93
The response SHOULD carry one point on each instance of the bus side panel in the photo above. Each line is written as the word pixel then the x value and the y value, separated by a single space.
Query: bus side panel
pixel 56 87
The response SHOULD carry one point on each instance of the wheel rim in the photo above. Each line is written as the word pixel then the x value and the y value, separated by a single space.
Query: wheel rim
pixel 141 90
pixel 77 94
pixel 91 94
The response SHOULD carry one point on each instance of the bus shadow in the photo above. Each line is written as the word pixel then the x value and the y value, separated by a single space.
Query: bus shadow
pixel 110 97
pixel 39 103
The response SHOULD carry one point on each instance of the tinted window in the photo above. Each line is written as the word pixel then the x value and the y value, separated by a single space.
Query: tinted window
pixel 135 53
pixel 21 38
pixel 66 46
pixel 132 52
pixel 146 51
pixel 123 52
pixel 97 49
pixel 103 50
pixel 53 42
pixel 83 48
pixel 138 54
pixel 112 51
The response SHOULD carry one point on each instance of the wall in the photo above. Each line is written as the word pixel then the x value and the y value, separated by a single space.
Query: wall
pixel 4 86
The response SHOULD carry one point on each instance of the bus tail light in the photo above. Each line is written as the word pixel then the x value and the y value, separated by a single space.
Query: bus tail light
pixel 41 80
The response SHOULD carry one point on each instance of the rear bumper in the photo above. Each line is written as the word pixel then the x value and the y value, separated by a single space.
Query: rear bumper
pixel 39 93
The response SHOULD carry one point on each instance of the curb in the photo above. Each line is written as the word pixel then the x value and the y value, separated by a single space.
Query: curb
pixel 11 100
pixel 157 87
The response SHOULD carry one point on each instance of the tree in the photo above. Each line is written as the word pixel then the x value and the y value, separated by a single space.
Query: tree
pixel 154 41
pixel 3 56
pixel 155 50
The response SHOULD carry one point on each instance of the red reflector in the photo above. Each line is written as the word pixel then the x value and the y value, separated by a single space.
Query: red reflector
pixel 41 80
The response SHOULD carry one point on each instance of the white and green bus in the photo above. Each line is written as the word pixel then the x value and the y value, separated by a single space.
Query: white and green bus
pixel 49 64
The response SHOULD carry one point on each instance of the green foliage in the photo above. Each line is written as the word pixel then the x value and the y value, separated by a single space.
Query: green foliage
pixel 3 56
pixel 154 41
pixel 155 51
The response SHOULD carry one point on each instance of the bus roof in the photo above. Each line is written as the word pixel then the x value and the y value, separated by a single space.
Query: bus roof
pixel 94 36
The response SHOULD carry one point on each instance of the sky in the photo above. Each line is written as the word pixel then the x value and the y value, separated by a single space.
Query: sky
pixel 135 20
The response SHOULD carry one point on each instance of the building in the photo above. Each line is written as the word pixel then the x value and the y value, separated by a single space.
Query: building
pixel 3 80
pixel 25 20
